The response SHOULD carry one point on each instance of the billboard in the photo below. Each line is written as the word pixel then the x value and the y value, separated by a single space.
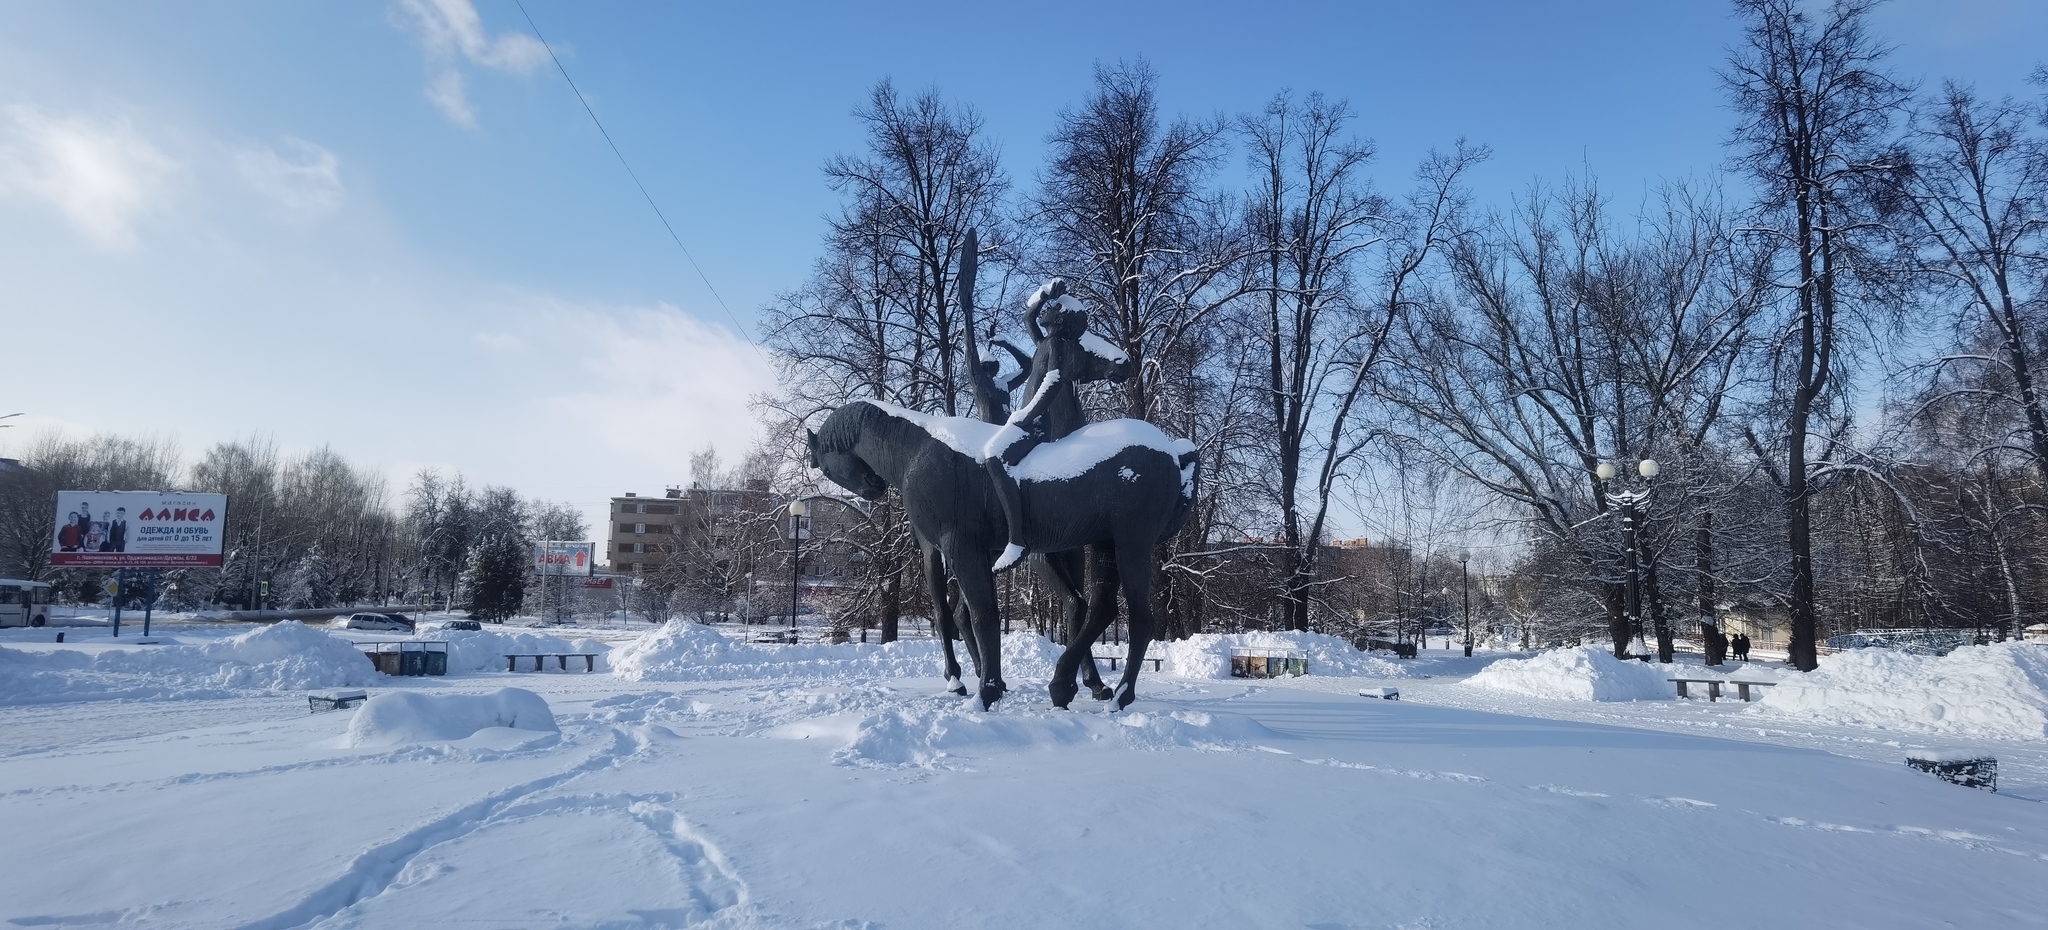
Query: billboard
pixel 138 529
pixel 556 557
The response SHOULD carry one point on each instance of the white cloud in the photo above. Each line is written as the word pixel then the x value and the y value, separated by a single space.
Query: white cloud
pixel 452 33
pixel 655 385
pixel 303 181
pixel 100 173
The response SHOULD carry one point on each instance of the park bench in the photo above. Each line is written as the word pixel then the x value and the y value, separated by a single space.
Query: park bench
pixel 1714 686
pixel 773 636
pixel 1113 660
pixel 1385 694
pixel 561 660
pixel 335 700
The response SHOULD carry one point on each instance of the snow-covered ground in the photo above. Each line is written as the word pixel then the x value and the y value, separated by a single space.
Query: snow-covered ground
pixel 699 780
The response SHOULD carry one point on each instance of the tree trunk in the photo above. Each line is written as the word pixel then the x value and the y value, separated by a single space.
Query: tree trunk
pixel 892 606
pixel 1710 629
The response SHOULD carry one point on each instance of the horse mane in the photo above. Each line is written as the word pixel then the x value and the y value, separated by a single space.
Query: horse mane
pixel 843 428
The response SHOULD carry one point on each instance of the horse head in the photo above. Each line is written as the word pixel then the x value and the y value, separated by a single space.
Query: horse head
pixel 835 457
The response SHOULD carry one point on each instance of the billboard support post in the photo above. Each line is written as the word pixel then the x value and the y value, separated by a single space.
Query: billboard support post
pixel 148 602
pixel 120 580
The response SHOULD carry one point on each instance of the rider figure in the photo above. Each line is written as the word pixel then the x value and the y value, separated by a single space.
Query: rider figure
pixel 1053 409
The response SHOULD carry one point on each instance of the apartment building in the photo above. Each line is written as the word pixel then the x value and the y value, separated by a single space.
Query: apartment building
pixel 643 529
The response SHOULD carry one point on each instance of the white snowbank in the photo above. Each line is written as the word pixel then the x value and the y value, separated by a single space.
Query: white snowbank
pixel 284 656
pixel 1207 655
pixel 1583 673
pixel 934 736
pixel 485 650
pixel 396 717
pixel 686 651
pixel 1998 691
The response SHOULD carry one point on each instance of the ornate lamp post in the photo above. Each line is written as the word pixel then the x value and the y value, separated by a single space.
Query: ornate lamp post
pixel 1632 503
pixel 797 510
pixel 1465 574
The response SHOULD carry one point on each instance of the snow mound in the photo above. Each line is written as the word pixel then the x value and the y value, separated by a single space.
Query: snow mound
pixel 939 736
pixel 1998 691
pixel 1207 655
pixel 398 717
pixel 687 651
pixel 287 656
pixel 1584 673
pixel 485 650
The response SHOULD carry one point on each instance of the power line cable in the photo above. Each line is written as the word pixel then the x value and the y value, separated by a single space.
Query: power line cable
pixel 738 328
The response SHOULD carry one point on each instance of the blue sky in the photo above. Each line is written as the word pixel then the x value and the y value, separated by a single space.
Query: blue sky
pixel 390 227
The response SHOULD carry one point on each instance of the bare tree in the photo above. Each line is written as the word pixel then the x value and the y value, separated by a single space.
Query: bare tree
pixel 1977 194
pixel 1326 308
pixel 1815 106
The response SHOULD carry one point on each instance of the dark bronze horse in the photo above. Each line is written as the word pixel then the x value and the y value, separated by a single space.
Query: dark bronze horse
pixel 1120 485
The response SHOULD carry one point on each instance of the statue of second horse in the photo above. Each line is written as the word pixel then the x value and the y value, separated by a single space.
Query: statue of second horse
pixel 1122 485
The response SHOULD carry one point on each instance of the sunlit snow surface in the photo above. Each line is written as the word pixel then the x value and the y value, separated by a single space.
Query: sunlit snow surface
pixel 715 783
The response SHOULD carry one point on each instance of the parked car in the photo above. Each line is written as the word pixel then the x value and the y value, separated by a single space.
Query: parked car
pixel 373 621
pixel 462 625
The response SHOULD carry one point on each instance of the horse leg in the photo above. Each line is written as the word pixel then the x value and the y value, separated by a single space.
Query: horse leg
pixel 1062 572
pixel 1137 578
pixel 935 582
pixel 1101 613
pixel 978 595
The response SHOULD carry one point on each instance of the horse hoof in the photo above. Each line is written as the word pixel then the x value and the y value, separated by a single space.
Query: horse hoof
pixel 1101 692
pixel 990 694
pixel 1062 693
pixel 1125 694
pixel 953 686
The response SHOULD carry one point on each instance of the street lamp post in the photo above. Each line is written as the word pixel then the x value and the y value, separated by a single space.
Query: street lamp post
pixel 1632 504
pixel 1465 574
pixel 797 509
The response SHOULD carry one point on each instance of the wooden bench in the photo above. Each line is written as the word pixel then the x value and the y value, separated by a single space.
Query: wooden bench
pixel 335 700
pixel 561 660
pixel 1385 694
pixel 1113 660
pixel 1714 686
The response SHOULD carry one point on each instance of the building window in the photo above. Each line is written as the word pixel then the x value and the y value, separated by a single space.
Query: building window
pixel 639 527
pixel 639 548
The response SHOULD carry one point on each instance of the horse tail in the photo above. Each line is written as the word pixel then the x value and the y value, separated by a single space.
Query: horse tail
pixel 1189 462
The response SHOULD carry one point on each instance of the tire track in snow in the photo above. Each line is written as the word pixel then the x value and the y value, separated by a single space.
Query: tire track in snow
pixel 375 869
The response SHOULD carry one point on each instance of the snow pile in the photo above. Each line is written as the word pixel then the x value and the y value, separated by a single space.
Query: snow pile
pixel 397 717
pixel 686 651
pixel 1998 691
pixel 1584 673
pixel 930 737
pixel 938 736
pixel 485 650
pixel 287 656
pixel 1207 655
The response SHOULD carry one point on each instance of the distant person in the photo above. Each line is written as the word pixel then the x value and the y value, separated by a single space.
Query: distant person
pixel 69 536
pixel 1742 647
pixel 117 531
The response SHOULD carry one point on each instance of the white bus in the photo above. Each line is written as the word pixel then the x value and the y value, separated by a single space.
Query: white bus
pixel 24 603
